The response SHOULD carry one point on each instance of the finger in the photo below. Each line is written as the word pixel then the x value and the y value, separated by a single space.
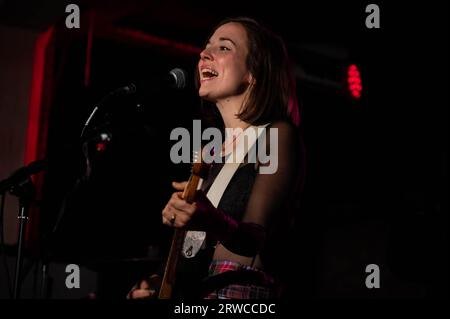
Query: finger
pixel 142 293
pixel 172 222
pixel 179 221
pixel 130 293
pixel 179 186
pixel 167 214
pixel 165 221
pixel 181 206
pixel 144 284
pixel 179 195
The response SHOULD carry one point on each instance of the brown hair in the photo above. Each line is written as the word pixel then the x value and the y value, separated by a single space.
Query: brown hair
pixel 273 96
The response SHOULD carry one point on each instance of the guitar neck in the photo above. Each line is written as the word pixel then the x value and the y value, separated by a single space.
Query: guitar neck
pixel 168 281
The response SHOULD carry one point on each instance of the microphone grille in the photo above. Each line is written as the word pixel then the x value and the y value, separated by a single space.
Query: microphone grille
pixel 180 78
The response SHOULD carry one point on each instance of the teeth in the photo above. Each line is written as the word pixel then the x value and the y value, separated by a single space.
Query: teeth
pixel 210 71
pixel 207 71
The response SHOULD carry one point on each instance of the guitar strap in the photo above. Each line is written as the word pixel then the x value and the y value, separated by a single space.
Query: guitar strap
pixel 195 240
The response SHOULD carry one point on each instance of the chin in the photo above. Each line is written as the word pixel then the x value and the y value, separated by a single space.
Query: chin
pixel 205 96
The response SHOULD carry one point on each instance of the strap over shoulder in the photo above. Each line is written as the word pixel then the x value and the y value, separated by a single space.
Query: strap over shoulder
pixel 195 240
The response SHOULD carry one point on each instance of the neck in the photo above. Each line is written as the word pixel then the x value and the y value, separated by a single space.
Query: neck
pixel 229 108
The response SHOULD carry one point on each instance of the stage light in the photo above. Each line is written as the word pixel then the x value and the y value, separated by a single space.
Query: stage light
pixel 354 81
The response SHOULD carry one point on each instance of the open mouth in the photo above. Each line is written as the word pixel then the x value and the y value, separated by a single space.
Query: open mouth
pixel 208 74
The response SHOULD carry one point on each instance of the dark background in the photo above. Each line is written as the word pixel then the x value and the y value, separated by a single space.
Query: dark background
pixel 377 181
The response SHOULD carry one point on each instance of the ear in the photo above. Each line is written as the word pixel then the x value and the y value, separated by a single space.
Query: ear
pixel 250 79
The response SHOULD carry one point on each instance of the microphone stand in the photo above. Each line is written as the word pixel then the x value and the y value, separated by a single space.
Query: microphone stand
pixel 129 89
pixel 25 191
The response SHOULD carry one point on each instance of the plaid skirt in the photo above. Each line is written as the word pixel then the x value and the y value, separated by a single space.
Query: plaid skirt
pixel 265 287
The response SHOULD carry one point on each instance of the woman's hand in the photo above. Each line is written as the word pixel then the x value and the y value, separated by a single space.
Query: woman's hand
pixel 145 289
pixel 178 212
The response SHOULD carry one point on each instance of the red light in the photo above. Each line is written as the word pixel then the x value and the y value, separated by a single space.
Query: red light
pixel 354 81
pixel 100 147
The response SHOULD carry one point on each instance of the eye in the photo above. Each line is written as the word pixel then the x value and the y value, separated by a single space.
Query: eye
pixel 223 48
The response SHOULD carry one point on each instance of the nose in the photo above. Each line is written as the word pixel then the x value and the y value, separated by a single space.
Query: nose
pixel 206 54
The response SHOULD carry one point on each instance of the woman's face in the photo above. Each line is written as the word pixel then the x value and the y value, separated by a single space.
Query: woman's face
pixel 222 66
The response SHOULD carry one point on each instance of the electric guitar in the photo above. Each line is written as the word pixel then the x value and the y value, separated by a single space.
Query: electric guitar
pixel 198 172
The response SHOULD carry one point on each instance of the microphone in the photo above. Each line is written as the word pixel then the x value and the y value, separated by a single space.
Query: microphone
pixel 22 174
pixel 175 79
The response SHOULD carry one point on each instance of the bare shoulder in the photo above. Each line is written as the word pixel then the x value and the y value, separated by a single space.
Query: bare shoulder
pixel 289 140
pixel 286 131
